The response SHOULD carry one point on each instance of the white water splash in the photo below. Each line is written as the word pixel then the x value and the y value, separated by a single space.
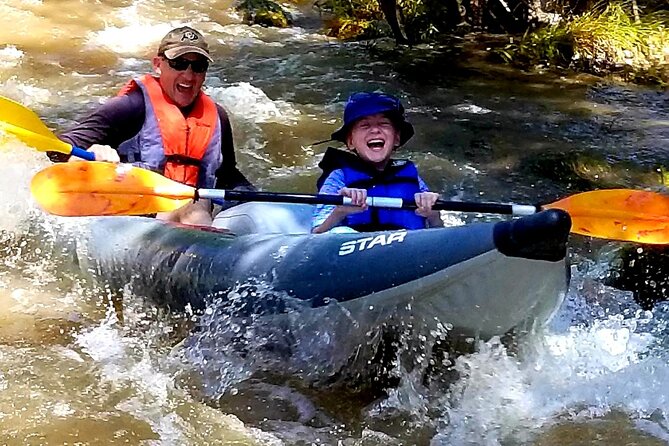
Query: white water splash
pixel 25 93
pixel 146 37
pixel 584 373
pixel 240 35
pixel 246 101
pixel 18 164
pixel 126 364
pixel 471 109
pixel 10 57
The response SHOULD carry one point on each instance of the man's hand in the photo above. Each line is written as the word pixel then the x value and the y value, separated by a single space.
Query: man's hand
pixel 102 153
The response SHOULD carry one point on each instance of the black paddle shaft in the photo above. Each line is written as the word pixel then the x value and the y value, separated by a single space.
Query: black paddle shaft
pixel 457 206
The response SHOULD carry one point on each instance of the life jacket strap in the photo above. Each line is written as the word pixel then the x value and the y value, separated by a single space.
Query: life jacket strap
pixel 184 160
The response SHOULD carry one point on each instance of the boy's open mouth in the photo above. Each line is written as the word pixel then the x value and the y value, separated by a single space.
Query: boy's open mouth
pixel 375 143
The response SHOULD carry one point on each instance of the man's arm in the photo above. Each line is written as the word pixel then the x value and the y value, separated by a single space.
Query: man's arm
pixel 228 175
pixel 117 120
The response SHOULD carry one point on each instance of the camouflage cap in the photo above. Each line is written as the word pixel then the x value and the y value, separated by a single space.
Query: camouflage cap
pixel 181 41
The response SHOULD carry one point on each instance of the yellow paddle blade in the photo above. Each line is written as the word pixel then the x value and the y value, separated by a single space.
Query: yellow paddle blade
pixel 27 126
pixel 40 142
pixel 97 188
pixel 619 214
pixel 17 114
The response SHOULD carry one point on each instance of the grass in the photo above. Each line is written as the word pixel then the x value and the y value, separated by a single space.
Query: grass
pixel 605 40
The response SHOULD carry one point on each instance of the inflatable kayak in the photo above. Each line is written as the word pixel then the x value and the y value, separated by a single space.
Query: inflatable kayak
pixel 483 279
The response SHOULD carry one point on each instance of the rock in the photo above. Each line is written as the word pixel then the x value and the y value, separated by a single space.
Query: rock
pixel 264 13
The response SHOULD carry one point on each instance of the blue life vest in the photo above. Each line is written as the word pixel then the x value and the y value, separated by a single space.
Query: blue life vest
pixel 398 180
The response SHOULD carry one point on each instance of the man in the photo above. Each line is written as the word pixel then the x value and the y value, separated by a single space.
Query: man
pixel 165 123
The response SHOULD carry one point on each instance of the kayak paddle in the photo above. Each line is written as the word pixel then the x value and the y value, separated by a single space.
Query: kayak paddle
pixel 99 188
pixel 27 126
pixel 96 188
pixel 618 214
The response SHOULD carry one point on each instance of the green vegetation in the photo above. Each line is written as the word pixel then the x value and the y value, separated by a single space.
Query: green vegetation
pixel 422 20
pixel 629 38
pixel 602 41
pixel 354 19
pixel 264 13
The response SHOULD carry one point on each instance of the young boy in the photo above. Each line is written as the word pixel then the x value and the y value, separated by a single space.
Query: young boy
pixel 374 126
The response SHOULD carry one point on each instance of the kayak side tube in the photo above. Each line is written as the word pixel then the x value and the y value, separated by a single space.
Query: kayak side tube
pixel 542 236
pixel 485 277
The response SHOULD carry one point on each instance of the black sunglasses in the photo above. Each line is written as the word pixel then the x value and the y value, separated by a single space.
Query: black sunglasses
pixel 181 64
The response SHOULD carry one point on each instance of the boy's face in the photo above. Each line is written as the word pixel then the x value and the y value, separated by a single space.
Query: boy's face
pixel 374 137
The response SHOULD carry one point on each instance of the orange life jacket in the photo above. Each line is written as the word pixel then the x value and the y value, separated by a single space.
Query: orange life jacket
pixel 185 138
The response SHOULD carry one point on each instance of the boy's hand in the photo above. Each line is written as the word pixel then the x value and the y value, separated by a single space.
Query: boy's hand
pixel 358 201
pixel 425 201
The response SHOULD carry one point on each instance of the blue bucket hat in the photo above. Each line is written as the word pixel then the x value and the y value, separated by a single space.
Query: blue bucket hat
pixel 360 105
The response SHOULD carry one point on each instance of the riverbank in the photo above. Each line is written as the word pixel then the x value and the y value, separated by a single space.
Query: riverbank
pixel 609 40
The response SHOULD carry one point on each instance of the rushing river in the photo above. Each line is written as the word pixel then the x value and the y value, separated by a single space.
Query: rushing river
pixel 80 367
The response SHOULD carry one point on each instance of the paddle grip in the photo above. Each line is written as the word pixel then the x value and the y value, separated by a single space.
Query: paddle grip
pixel 81 153
pixel 485 208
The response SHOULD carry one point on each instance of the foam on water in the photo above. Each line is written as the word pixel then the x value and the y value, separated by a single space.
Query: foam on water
pixel 246 101
pixel 126 364
pixel 585 371
pixel 143 379
pixel 251 110
pixel 145 39
pixel 10 57
pixel 138 20
pixel 26 93
pixel 18 163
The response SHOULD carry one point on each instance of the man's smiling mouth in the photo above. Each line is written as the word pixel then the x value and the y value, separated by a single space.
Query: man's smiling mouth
pixel 184 87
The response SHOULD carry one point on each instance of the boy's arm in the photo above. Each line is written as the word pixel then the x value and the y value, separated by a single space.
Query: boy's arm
pixel 325 216
pixel 434 218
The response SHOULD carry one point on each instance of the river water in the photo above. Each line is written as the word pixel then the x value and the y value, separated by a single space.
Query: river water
pixel 79 367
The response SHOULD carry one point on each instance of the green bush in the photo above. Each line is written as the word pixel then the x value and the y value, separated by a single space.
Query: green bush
pixel 603 40
pixel 422 19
